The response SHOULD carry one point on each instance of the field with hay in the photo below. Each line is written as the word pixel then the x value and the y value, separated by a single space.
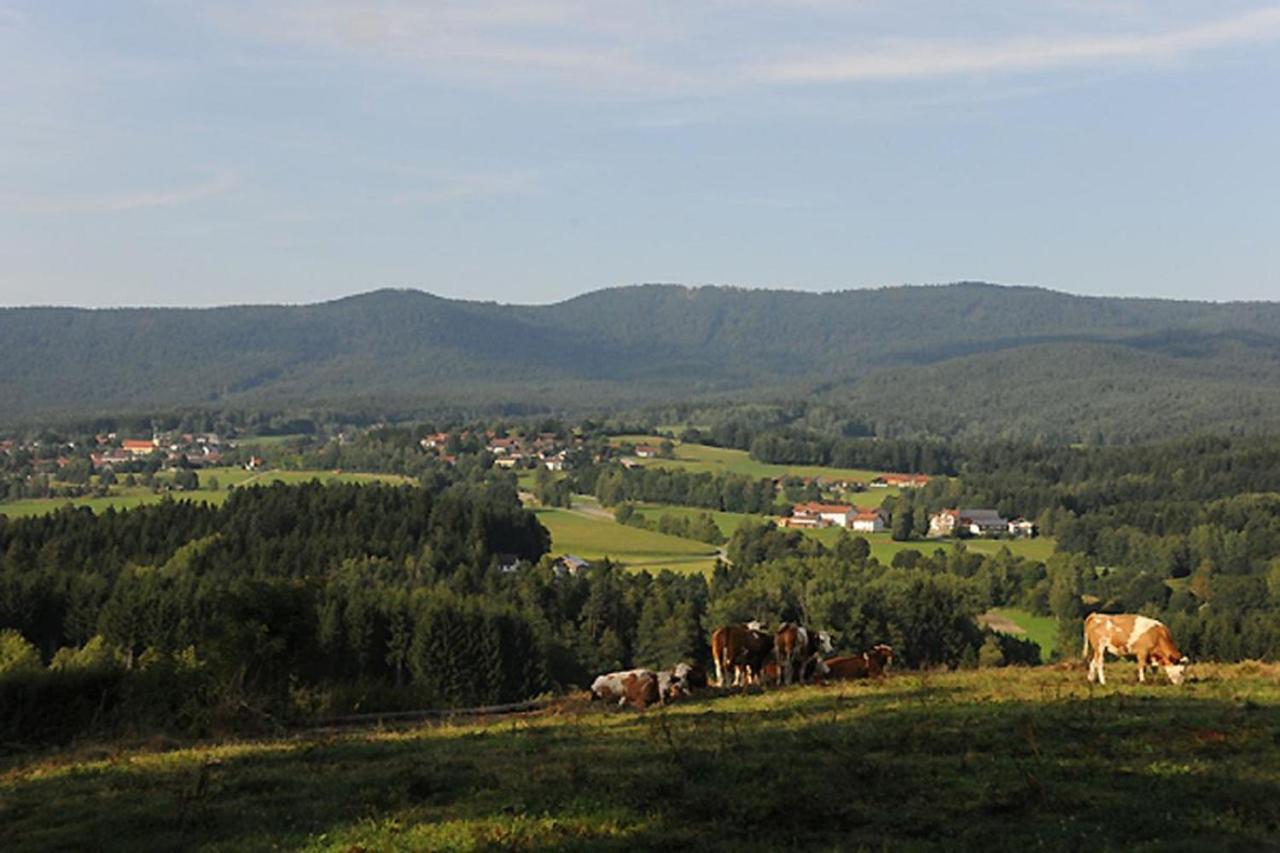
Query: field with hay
pixel 1007 759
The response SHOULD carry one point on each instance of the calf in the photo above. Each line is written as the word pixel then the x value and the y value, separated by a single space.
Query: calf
pixel 871 664
pixel 1130 635
pixel 795 647
pixel 639 688
pixel 740 650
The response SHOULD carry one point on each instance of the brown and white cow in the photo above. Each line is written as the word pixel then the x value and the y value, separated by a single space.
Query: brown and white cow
pixel 681 680
pixel 870 664
pixel 795 647
pixel 740 650
pixel 636 687
pixel 1131 635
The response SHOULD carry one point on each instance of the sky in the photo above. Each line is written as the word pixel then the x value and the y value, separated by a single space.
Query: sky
pixel 180 152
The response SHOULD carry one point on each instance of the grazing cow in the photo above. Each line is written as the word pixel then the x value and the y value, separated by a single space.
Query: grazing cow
pixel 795 646
pixel 742 650
pixel 1130 635
pixel 872 664
pixel 637 687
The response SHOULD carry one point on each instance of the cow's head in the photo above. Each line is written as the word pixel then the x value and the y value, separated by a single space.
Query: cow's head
pixel 884 654
pixel 756 625
pixel 1175 668
pixel 824 642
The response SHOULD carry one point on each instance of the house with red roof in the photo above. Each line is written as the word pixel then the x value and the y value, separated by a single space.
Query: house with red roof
pixel 868 520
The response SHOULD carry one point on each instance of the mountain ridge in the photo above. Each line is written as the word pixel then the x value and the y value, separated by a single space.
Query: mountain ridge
pixel 627 346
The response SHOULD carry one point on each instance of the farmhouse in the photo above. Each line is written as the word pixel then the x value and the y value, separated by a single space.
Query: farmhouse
pixel 1022 528
pixel 902 481
pixel 646 451
pixel 138 447
pixel 869 520
pixel 503 446
pixel 801 521
pixel 569 564
pixel 839 515
pixel 967 522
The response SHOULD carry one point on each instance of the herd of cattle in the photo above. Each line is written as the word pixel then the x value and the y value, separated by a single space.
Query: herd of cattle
pixel 745 655
pixel 751 654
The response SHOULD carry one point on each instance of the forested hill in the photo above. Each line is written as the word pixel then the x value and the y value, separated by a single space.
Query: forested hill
pixel 943 358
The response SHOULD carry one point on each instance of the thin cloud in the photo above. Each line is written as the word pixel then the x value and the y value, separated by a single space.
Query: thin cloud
pixel 219 184
pixel 906 59
pixel 463 187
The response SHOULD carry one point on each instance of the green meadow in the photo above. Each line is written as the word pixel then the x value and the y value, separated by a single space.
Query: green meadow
pixel 993 759
pixel 594 536
pixel 1038 629
pixel 126 497
pixel 719 460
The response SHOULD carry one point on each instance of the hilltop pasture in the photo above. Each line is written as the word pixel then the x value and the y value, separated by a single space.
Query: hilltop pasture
pixel 1004 759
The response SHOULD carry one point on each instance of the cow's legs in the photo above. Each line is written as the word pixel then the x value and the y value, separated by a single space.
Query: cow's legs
pixel 1142 669
pixel 719 673
pixel 1098 658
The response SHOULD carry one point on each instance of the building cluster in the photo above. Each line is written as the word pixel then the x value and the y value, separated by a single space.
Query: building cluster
pixel 544 450
pixel 200 450
pixel 814 515
pixel 978 522
pixel 947 523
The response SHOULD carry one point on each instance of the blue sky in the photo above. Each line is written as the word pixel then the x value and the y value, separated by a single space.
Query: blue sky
pixel 177 152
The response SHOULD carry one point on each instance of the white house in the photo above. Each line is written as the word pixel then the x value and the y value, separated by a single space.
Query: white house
pixel 869 520
pixel 840 515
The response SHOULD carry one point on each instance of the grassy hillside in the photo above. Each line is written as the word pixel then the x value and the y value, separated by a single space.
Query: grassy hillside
pixel 966 359
pixel 994 759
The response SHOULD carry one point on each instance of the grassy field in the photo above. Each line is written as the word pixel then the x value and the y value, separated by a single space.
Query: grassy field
pixel 1012 759
pixel 592 537
pixel 719 460
pixel 126 497
pixel 1041 630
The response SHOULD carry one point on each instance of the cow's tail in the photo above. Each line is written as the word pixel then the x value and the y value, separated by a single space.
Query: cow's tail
pixel 1084 646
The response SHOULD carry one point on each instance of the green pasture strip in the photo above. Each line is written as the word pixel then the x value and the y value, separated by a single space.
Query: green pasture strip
pixel 593 538
pixel 1041 630
pixel 1000 759
pixel 129 497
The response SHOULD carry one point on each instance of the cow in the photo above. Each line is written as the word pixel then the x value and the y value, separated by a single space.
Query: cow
pixel 693 676
pixel 637 687
pixel 870 664
pixel 680 681
pixel 740 650
pixel 1131 635
pixel 769 673
pixel 795 646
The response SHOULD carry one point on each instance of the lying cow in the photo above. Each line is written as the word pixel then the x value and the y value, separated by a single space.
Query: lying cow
pixel 771 675
pixel 796 648
pixel 637 687
pixel 871 664
pixel 740 650
pixel 680 681
pixel 1130 635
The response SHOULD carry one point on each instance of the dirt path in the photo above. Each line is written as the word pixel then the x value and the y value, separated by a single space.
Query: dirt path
pixel 1004 625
